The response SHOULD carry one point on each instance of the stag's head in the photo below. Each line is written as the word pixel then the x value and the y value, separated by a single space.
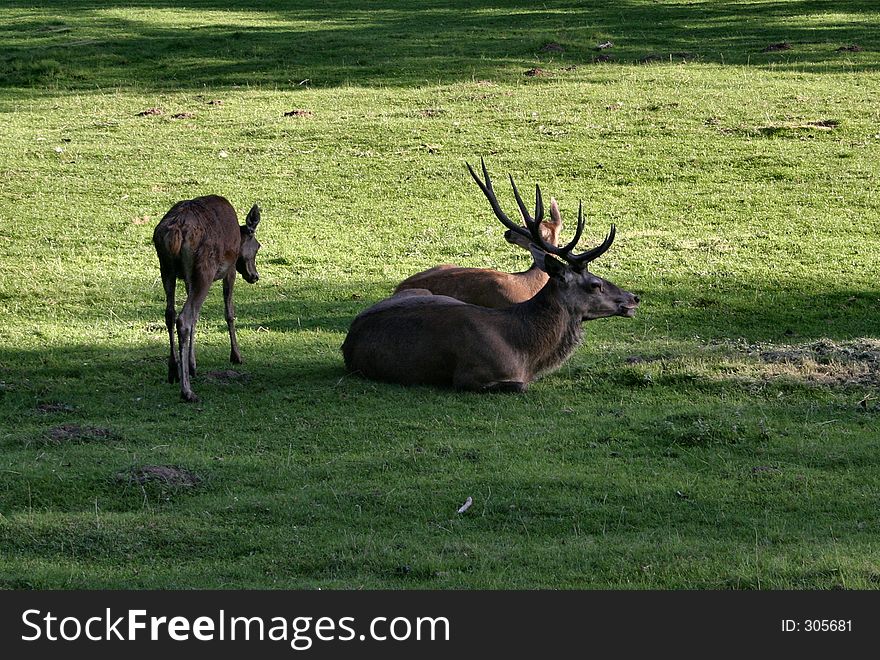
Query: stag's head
pixel 585 294
pixel 247 255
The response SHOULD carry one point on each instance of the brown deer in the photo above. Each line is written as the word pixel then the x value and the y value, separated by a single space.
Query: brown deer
pixel 486 287
pixel 199 241
pixel 438 340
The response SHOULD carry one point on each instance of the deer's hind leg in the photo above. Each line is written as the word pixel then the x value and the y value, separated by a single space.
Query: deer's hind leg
pixel 480 376
pixel 186 324
pixel 169 283
pixel 191 355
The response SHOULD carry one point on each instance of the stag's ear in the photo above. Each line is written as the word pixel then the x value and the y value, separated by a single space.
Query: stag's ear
pixel 253 218
pixel 549 264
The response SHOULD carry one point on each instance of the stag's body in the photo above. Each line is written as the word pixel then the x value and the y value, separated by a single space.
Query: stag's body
pixel 200 241
pixel 484 286
pixel 438 340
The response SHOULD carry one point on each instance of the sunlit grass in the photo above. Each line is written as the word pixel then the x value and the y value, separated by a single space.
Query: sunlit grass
pixel 724 438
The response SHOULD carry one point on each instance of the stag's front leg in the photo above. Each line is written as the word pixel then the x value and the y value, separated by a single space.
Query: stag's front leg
pixel 186 324
pixel 228 284
pixel 169 283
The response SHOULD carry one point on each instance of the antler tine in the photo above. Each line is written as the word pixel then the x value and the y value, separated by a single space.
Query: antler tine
pixel 493 201
pixel 584 258
pixel 590 255
pixel 528 219
pixel 565 251
pixel 539 204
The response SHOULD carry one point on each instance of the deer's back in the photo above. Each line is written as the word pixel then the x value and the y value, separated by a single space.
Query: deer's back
pixel 200 232
pixel 477 286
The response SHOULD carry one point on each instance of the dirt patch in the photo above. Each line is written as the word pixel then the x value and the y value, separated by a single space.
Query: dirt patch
pixel 570 67
pixel 852 48
pixel 827 124
pixel 655 57
pixel 142 220
pixel 183 115
pixel 790 127
pixel 48 408
pixel 167 475
pixel 643 359
pixel 825 362
pixel 76 433
pixel 151 112
pixel 227 376
pixel 602 59
pixel 431 112
pixel 299 112
pixel 774 48
pixel 535 72
pixel 552 47
pixel 215 102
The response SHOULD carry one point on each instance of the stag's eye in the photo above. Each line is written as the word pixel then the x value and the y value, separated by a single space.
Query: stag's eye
pixel 596 287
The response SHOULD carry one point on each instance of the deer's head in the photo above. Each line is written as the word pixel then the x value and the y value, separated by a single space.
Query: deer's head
pixel 247 255
pixel 586 295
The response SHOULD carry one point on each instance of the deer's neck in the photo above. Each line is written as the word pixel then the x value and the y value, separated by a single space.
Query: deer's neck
pixel 547 331
pixel 530 281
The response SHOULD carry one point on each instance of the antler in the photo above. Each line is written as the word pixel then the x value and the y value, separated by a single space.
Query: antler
pixel 493 200
pixel 533 224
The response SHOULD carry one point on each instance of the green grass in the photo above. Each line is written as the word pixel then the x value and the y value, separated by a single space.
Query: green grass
pixel 726 437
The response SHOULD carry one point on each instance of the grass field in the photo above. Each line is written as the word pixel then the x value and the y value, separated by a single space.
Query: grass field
pixel 726 437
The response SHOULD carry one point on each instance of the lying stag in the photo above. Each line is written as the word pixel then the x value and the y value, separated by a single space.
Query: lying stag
pixel 438 340
pixel 486 287
pixel 200 241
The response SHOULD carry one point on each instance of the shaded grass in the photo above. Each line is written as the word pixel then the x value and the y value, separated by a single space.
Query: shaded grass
pixel 163 44
pixel 667 453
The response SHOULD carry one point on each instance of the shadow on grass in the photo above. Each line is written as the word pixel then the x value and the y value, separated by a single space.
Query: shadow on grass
pixel 170 45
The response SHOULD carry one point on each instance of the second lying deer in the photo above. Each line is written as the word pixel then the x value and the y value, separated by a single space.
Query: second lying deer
pixel 486 287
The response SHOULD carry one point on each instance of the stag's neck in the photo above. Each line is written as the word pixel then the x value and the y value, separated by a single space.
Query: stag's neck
pixel 547 331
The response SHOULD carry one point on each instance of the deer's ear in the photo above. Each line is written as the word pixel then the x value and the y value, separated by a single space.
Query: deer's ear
pixel 555 215
pixel 253 218
pixel 549 264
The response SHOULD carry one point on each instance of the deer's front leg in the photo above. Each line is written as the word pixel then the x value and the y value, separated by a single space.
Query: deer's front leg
pixel 228 284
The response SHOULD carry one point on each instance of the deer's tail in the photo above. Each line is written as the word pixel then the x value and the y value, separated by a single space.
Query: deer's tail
pixel 168 239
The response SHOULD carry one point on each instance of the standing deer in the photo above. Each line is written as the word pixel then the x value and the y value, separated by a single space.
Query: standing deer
pixel 486 287
pixel 438 340
pixel 199 241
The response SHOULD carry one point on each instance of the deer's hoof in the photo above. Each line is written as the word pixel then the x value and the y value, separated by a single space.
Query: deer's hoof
pixel 189 397
pixel 235 358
